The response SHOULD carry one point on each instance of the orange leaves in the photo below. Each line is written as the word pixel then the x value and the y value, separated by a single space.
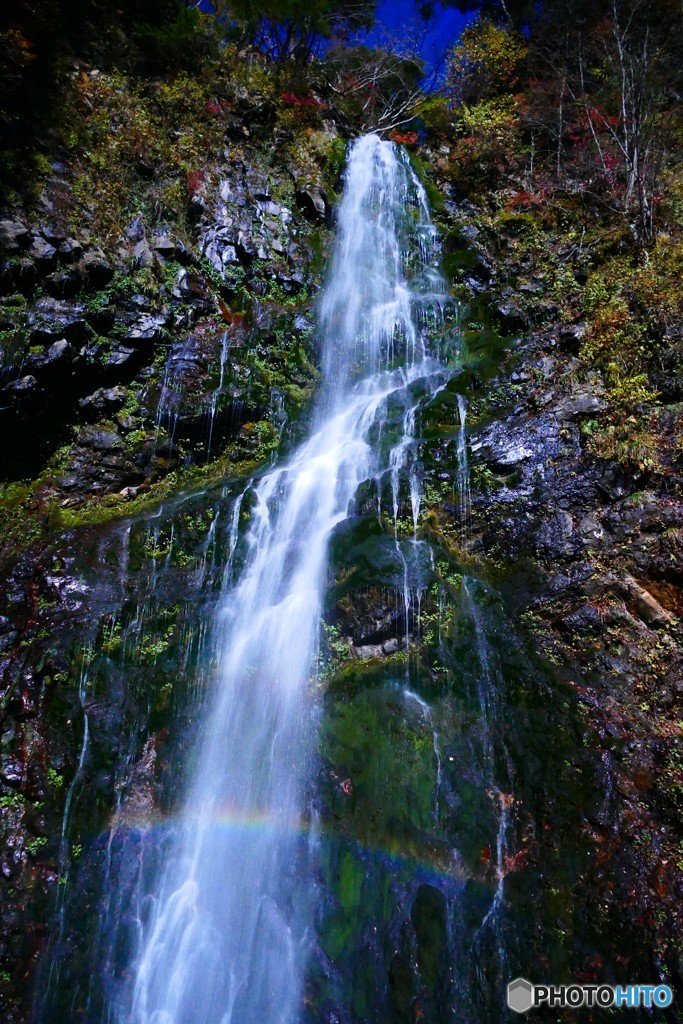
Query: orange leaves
pixel 230 317
pixel 405 138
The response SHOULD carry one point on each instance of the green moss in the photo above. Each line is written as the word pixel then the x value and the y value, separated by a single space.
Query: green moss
pixel 437 201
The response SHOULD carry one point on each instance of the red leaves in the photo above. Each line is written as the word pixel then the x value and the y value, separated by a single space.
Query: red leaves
pixel 515 861
pixel 405 138
pixel 523 201
pixel 290 99
pixel 217 108
pixel 344 784
pixel 195 180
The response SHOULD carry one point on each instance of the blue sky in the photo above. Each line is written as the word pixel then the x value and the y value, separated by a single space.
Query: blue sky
pixel 396 16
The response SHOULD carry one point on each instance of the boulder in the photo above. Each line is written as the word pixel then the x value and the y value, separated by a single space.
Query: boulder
pixel 104 400
pixel 52 319
pixel 59 356
pixel 313 203
pixel 14 236
pixel 97 270
pixel 148 329
pixel 582 403
pixel 70 251
pixel 44 254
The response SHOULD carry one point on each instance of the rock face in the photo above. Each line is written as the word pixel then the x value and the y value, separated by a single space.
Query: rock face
pixel 186 348
pixel 590 557
pixel 79 321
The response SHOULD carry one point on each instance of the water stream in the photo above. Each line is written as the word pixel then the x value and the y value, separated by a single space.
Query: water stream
pixel 219 907
pixel 222 930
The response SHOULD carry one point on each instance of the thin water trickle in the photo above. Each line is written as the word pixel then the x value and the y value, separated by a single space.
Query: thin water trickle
pixel 462 480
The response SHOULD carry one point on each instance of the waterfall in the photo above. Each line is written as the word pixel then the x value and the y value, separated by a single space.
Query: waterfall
pixel 463 470
pixel 222 928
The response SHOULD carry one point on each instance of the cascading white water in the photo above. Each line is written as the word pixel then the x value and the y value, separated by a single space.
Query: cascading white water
pixel 222 935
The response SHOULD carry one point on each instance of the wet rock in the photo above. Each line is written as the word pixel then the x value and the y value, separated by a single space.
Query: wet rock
pixel 44 254
pixel 63 284
pixel 102 319
pixel 582 403
pixel 14 236
pixel 585 618
pixel 384 650
pixel 70 251
pixel 135 231
pixel 104 400
pixel 53 319
pixel 24 276
pixel 148 329
pixel 97 270
pixel 592 532
pixel 143 254
pixel 52 234
pixel 193 287
pixel 644 512
pixel 164 243
pixel 59 356
pixel 555 536
pixel 571 336
pixel 512 316
pixel 22 384
pixel 313 203
pixel 12 771
pixel 121 355
pixel 613 483
pixel 219 251
pixel 506 453
pixel 101 440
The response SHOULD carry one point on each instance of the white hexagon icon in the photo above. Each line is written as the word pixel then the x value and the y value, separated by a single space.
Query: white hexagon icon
pixel 520 995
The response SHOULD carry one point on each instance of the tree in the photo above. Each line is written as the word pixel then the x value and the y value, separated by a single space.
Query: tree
pixel 296 30
pixel 485 63
pixel 378 88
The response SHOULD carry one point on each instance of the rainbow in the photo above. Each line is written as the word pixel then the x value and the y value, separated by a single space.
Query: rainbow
pixel 437 864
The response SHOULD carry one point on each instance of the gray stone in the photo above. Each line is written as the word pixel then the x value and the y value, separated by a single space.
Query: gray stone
pixel 164 243
pixel 42 252
pixel 510 455
pixel 581 403
pixel 592 532
pixel 70 251
pixel 101 440
pixel 97 269
pixel 59 354
pixel 120 355
pixel 104 399
pixel 14 236
pixel 143 253
pixel 555 535
pixel 135 231
pixel 149 328
pixel 571 336
pixel 313 202
pixel 26 383
pixel 52 319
